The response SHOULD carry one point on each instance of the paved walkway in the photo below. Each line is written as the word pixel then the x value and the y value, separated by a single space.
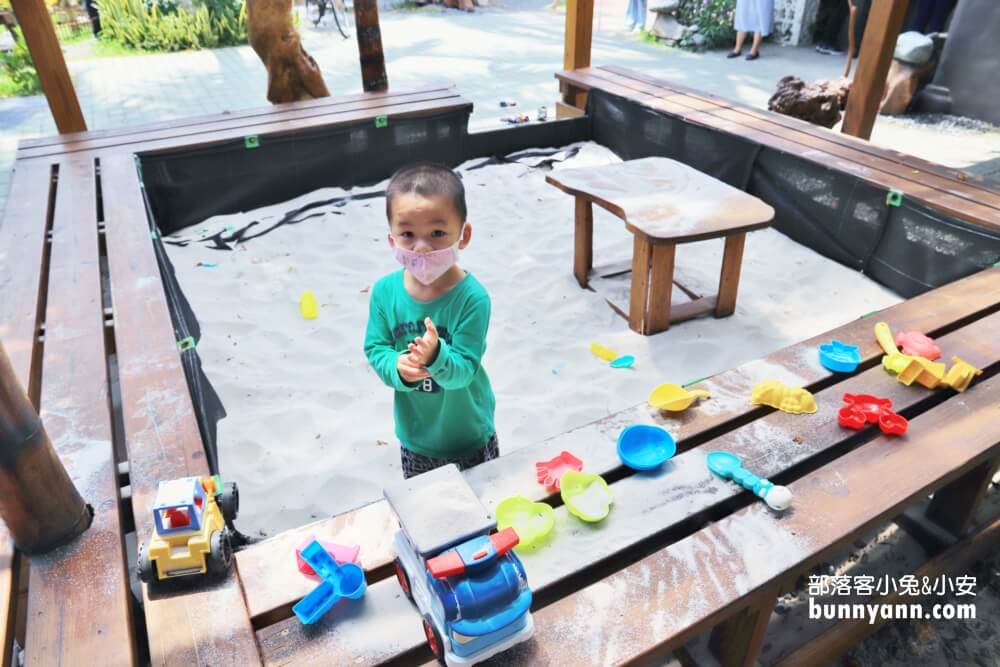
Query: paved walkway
pixel 507 51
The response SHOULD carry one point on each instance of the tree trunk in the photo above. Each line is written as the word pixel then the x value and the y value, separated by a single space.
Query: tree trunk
pixel 292 74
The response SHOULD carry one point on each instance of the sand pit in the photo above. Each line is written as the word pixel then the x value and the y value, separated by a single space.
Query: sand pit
pixel 310 432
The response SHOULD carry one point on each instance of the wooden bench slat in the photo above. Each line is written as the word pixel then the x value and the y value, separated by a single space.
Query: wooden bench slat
pixel 208 626
pixel 22 254
pixel 970 185
pixel 650 504
pixel 954 205
pixel 272 582
pixel 78 598
pixel 331 104
pixel 223 130
pixel 676 593
pixel 22 249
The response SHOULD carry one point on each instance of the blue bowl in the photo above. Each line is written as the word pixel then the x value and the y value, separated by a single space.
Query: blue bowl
pixel 644 447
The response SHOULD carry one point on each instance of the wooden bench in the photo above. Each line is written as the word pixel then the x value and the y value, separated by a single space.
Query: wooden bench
pixel 82 287
pixel 663 203
pixel 950 191
pixel 771 442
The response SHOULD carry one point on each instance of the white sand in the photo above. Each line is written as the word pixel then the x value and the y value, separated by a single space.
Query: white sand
pixel 310 431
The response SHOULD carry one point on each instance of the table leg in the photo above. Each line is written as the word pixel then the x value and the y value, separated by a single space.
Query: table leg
pixel 583 251
pixel 642 252
pixel 661 285
pixel 729 281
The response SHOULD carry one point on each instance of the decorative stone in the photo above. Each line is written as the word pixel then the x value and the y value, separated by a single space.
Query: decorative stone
pixel 667 27
pixel 913 48
pixel 665 6
pixel 819 102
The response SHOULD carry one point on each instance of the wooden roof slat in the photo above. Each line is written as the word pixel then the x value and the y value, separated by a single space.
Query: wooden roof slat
pixel 78 597
pixel 649 505
pixel 224 129
pixel 210 625
pixel 677 592
pixel 272 582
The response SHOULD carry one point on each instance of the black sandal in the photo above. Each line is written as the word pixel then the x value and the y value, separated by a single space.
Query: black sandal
pixel 753 56
pixel 733 54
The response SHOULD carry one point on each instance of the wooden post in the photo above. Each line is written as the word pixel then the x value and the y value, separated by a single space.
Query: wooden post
pixel 373 76
pixel 576 50
pixel 38 501
pixel 881 31
pixel 40 36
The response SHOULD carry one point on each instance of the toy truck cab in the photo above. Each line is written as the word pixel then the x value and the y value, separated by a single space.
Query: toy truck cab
pixel 189 534
pixel 467 583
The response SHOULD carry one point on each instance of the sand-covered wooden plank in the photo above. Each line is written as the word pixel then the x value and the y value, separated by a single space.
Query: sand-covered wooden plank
pixel 677 592
pixel 208 626
pixel 78 598
pixel 647 505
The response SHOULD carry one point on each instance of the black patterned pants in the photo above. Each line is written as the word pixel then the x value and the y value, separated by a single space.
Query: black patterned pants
pixel 414 464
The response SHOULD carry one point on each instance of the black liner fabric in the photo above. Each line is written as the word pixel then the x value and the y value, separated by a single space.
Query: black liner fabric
pixel 187 187
pixel 909 249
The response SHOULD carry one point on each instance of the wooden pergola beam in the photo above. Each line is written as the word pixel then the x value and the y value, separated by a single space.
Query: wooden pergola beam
pixel 877 47
pixel 40 36
pixel 373 76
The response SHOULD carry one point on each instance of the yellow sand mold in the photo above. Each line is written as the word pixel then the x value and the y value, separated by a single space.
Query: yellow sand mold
pixel 794 400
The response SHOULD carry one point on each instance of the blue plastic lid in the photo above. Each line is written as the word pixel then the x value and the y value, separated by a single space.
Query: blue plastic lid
pixel 644 447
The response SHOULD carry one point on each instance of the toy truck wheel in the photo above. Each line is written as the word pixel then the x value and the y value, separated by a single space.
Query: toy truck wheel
pixel 403 579
pixel 221 555
pixel 434 639
pixel 229 501
pixel 144 567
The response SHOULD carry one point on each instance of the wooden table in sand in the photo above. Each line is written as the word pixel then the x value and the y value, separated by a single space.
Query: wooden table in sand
pixel 663 203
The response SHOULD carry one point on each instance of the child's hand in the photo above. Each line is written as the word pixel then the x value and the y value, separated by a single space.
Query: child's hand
pixel 425 348
pixel 410 369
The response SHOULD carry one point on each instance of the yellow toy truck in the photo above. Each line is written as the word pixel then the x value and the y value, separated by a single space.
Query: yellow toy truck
pixel 192 519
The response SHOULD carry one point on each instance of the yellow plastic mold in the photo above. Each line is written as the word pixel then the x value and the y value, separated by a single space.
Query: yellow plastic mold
pixel 605 353
pixel 794 400
pixel 960 375
pixel 586 495
pixel 531 521
pixel 925 373
pixel 308 305
pixel 674 398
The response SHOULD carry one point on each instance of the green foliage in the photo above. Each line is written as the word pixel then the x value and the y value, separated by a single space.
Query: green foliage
pixel 17 72
pixel 164 25
pixel 713 20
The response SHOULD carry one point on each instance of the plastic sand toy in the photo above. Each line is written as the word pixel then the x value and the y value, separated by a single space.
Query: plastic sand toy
pixel 793 400
pixel 466 581
pixel 602 352
pixel 918 345
pixel 894 361
pixel 339 581
pixel 861 409
pixel 674 398
pixel 531 521
pixel 623 362
pixel 961 374
pixel 839 357
pixel 308 305
pixel 550 472
pixel 926 373
pixel 729 466
pixel 644 447
pixel 586 495
pixel 341 553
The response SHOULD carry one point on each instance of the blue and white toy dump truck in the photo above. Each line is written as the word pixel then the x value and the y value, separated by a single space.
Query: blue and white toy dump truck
pixel 465 580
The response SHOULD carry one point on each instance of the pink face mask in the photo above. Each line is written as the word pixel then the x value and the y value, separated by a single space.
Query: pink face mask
pixel 427 267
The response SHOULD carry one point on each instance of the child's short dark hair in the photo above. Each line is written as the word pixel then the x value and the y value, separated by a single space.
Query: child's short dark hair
pixel 426 179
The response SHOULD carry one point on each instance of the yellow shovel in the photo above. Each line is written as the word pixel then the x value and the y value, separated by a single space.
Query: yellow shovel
pixel 674 398
pixel 894 361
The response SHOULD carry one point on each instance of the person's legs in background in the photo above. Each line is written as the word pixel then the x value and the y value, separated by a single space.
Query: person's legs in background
pixel 755 49
pixel 635 15
pixel 741 37
pixel 829 19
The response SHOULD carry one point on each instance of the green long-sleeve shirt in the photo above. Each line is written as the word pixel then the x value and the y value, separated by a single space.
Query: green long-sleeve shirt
pixel 449 414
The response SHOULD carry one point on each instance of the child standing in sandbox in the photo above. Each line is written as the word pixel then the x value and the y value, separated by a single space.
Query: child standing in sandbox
pixel 427 326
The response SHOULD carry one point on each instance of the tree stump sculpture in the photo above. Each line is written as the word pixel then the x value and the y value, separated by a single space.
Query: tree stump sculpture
pixel 292 74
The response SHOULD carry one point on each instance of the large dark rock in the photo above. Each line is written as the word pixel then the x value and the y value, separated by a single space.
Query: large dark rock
pixel 819 102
